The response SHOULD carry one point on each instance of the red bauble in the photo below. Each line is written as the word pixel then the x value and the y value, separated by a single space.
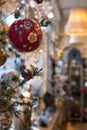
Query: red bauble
pixel 25 35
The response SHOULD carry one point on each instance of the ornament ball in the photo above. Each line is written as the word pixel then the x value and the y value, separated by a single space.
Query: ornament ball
pixel 25 35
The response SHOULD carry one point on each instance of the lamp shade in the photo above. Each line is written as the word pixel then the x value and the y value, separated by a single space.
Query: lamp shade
pixel 77 22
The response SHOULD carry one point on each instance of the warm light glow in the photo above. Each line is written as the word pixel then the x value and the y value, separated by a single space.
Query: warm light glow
pixel 59 53
pixel 40 50
pixel 77 22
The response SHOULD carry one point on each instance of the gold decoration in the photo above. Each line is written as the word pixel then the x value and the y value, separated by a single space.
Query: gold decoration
pixel 59 53
pixel 3 56
pixel 4 28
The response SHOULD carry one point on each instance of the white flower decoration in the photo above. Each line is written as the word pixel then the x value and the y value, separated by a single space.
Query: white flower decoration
pixel 32 37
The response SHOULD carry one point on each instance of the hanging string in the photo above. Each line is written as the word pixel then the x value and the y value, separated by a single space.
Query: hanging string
pixel 3 19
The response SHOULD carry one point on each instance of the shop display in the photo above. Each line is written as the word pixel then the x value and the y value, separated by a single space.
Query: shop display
pixel 78 87
pixel 84 89
pixel 25 35
pixel 21 93
pixel 75 79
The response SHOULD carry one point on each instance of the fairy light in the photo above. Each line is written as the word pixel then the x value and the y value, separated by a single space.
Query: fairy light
pixel 32 4
pixel 50 15
pixel 23 2
pixel 40 50
pixel 22 13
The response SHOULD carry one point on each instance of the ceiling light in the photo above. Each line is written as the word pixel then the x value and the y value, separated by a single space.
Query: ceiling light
pixel 77 22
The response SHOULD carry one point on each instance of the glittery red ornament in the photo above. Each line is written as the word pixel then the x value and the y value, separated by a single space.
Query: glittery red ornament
pixel 25 35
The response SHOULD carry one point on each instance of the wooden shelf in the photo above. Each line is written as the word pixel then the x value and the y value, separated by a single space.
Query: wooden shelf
pixel 55 123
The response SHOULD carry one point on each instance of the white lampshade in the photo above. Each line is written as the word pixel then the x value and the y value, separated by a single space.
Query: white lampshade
pixel 77 39
pixel 77 22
